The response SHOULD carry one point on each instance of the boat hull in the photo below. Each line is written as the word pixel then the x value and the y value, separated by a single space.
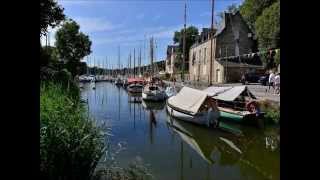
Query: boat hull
pixel 153 96
pixel 204 118
pixel 250 119
pixel 134 89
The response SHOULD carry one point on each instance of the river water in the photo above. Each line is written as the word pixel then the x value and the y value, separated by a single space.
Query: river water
pixel 173 149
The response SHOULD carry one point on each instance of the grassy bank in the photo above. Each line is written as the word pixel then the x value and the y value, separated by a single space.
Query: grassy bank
pixel 70 144
pixel 272 111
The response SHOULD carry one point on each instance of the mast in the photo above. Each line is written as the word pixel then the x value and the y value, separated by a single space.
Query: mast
pixel 139 62
pixel 211 42
pixel 184 40
pixel 134 62
pixel 130 64
pixel 151 54
pixel 118 58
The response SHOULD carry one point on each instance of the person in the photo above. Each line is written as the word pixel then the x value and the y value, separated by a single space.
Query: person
pixel 271 80
pixel 277 83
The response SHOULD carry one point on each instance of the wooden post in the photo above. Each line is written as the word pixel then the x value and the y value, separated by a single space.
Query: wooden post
pixel 184 40
pixel 211 43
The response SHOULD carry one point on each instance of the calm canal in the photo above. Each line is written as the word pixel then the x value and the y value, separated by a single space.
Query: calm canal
pixel 173 149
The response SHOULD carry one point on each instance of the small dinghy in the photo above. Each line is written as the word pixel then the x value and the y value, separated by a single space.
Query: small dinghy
pixel 194 106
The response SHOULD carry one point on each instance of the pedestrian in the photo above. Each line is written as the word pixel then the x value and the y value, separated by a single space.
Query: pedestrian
pixel 271 81
pixel 277 83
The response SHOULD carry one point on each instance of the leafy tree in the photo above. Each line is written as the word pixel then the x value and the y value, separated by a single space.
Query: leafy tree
pixel 51 14
pixel 191 35
pixel 72 45
pixel 268 27
pixel 252 9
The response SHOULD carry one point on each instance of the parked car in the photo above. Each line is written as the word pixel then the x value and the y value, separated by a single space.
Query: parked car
pixel 250 78
pixel 264 80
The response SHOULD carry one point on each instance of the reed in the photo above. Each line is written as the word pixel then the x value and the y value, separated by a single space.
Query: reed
pixel 71 145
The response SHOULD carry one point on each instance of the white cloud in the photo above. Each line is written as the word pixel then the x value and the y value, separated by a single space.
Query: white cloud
pixel 88 24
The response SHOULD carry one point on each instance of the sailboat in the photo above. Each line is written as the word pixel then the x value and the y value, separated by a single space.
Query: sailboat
pixel 135 85
pixel 118 81
pixel 153 91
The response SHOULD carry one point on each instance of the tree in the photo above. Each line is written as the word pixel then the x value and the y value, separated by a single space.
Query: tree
pixel 51 14
pixel 191 35
pixel 268 27
pixel 252 9
pixel 72 45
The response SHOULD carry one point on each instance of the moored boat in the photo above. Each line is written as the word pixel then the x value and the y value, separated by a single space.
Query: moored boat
pixel 194 106
pixel 152 92
pixel 236 103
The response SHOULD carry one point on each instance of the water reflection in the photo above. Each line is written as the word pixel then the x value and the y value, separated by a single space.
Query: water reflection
pixel 177 149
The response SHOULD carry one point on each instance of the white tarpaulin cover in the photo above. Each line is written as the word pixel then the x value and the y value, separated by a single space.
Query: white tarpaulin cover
pixel 188 99
pixel 229 94
pixel 214 90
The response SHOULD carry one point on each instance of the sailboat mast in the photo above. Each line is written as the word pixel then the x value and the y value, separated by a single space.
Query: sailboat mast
pixel 134 62
pixel 151 54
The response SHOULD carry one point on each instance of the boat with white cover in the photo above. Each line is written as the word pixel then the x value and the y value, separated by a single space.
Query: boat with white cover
pixel 194 106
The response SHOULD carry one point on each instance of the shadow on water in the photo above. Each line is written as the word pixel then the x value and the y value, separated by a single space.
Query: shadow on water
pixel 180 150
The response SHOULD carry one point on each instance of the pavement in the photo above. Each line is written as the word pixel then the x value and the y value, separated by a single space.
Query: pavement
pixel 258 90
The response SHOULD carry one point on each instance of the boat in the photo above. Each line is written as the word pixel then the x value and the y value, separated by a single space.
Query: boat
pixel 149 105
pixel 194 106
pixel 118 82
pixel 135 88
pixel 236 103
pixel 93 84
pixel 153 92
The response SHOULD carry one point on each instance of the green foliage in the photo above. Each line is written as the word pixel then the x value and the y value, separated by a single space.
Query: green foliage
pixel 268 27
pixel 135 171
pixel 252 9
pixel 51 14
pixel 72 45
pixel 70 144
pixel 191 35
pixel 272 111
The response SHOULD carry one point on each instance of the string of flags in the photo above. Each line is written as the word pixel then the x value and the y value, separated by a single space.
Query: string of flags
pixel 272 52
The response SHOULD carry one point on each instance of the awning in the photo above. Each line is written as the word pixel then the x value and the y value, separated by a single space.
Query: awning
pixel 135 80
pixel 188 99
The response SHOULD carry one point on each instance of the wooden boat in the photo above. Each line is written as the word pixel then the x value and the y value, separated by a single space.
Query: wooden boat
pixel 193 105
pixel 233 103
pixel 153 92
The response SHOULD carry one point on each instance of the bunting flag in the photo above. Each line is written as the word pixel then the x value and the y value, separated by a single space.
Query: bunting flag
pixel 250 55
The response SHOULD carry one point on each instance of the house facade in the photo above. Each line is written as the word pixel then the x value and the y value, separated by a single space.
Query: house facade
pixel 171 58
pixel 232 39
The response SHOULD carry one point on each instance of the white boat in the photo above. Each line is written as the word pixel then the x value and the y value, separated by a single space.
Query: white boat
pixel 171 91
pixel 135 88
pixel 118 82
pixel 194 106
pixel 153 92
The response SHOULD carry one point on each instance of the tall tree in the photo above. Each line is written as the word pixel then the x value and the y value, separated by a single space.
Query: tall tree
pixel 252 9
pixel 268 27
pixel 191 35
pixel 72 45
pixel 51 14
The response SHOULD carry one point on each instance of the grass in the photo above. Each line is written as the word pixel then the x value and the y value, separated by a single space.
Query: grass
pixel 70 144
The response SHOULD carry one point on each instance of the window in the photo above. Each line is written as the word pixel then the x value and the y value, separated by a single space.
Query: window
pixel 193 58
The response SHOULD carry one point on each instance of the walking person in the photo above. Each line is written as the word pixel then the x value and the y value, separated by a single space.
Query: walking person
pixel 277 83
pixel 271 81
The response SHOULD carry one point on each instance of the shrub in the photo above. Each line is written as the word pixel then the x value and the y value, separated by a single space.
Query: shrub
pixel 70 144
pixel 272 111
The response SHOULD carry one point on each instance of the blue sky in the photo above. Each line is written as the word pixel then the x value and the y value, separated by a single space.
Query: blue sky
pixel 128 23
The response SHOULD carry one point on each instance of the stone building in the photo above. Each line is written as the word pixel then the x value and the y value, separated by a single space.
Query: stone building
pixel 171 57
pixel 232 39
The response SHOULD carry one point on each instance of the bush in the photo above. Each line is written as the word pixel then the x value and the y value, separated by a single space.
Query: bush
pixel 70 144
pixel 272 112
